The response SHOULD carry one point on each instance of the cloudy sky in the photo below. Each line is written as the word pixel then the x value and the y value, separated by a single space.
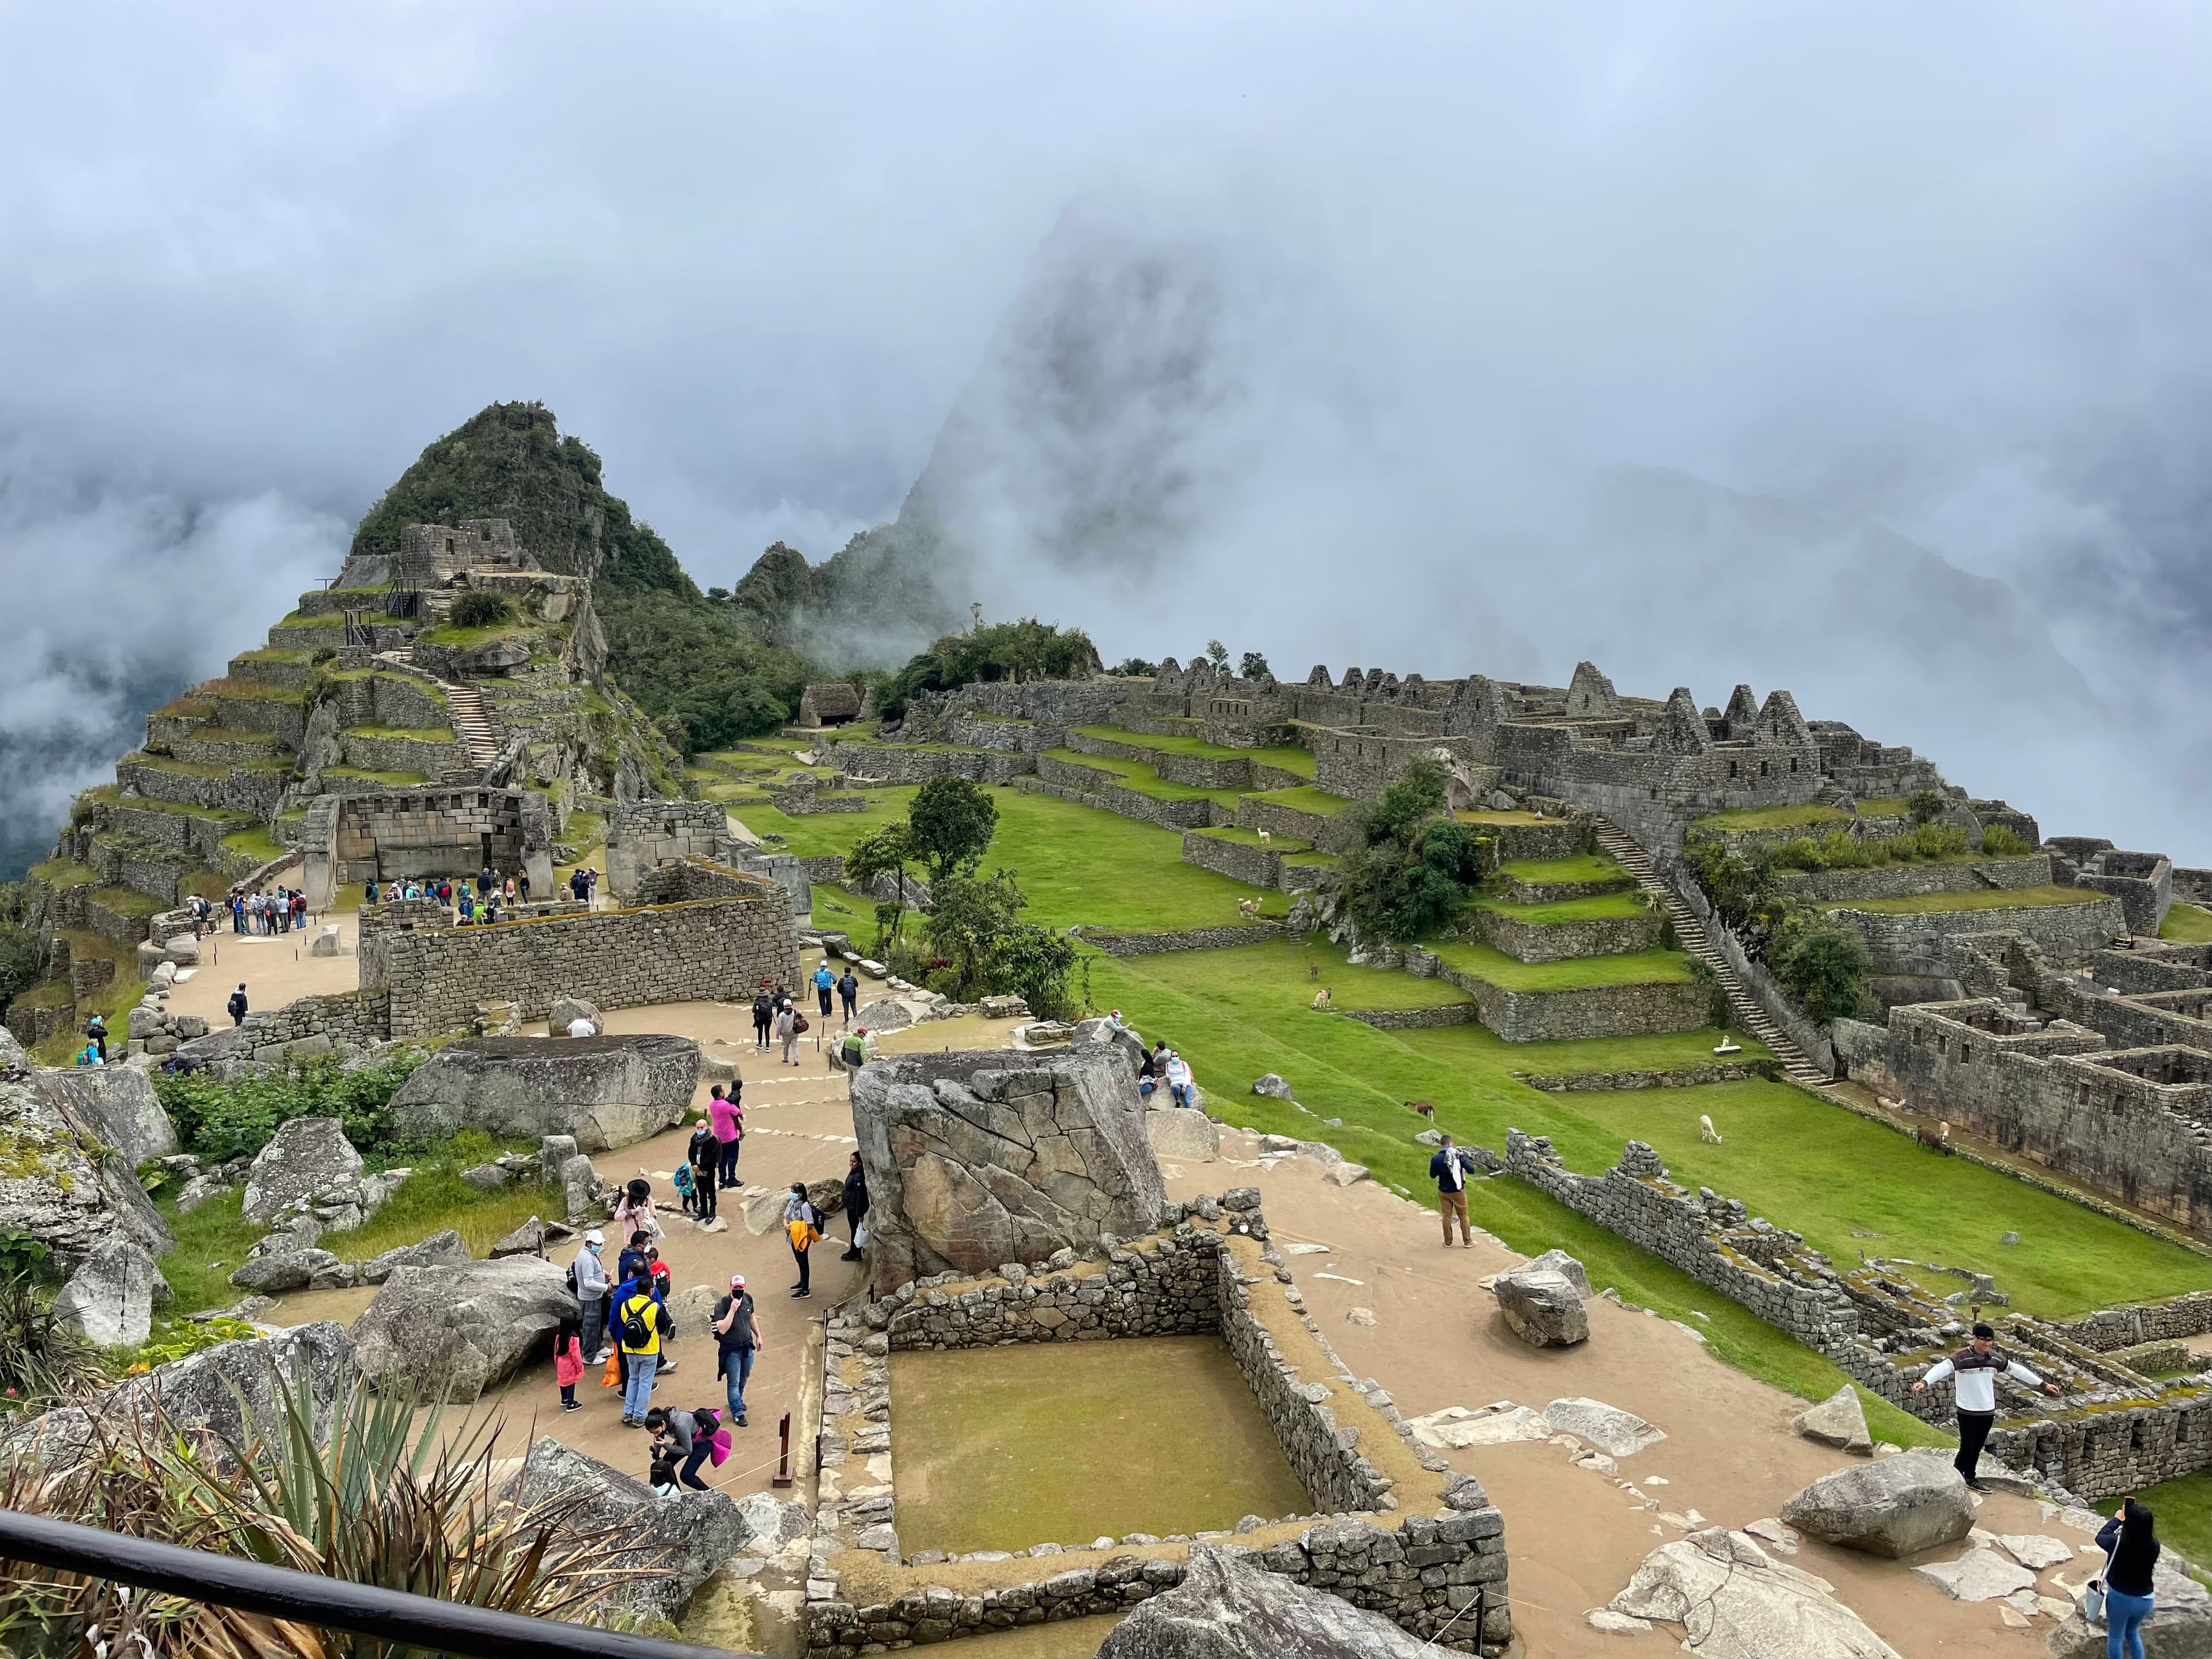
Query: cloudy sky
pixel 1939 271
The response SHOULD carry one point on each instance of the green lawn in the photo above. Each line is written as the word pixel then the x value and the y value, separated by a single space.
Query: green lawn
pixel 1251 838
pixel 1296 759
pixel 2187 924
pixel 1584 866
pixel 255 843
pixel 419 734
pixel 2184 1509
pixel 1477 1048
pixel 1605 907
pixel 1980 898
pixel 1135 775
pixel 382 780
pixel 1305 800
pixel 1772 817
pixel 1577 972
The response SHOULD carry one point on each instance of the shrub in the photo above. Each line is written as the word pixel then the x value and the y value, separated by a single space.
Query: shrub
pixel 1134 668
pixel 1821 962
pixel 236 1119
pixel 1024 650
pixel 2002 841
pixel 1926 805
pixel 1803 854
pixel 477 609
pixel 41 1360
pixel 1936 841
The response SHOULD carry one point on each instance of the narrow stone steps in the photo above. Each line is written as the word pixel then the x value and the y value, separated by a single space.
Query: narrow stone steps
pixel 1692 935
pixel 471 720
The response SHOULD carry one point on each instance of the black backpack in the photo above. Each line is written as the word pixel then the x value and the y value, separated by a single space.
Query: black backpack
pixel 635 1333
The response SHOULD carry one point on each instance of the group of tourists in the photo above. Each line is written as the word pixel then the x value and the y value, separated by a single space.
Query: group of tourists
pixel 473 903
pixel 1162 1066
pixel 710 1161
pixel 777 1017
pixel 283 911
pixel 95 1052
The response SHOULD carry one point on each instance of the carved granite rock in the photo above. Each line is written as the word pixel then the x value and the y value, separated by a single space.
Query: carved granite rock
pixel 607 1091
pixel 1896 1507
pixel 1226 1609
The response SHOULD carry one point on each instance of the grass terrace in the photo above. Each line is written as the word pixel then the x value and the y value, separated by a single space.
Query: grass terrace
pixel 1586 866
pixel 1808 817
pixel 2186 924
pixel 1135 775
pixel 1292 758
pixel 418 734
pixel 470 638
pixel 1605 907
pixel 62 874
pixel 381 780
pixel 1577 972
pixel 1304 800
pixel 255 843
pixel 238 690
pixel 1491 818
pixel 1251 838
pixel 1983 898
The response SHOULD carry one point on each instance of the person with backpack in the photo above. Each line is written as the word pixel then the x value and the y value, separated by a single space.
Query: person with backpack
pixel 1977 1366
pixel 848 991
pixel 826 985
pixel 726 1116
pixel 691 1440
pixel 96 1029
pixel 702 1157
pixel 853 1052
pixel 587 1280
pixel 763 1011
pixel 802 1225
pixel 786 1032
pixel 568 1362
pixel 641 1323
pixel 736 1340
pixel 2131 1552
pixel 237 1005
pixel 1450 1169
pixel 687 1189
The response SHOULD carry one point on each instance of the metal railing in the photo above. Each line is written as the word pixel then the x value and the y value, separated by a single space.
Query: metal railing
pixel 307 1598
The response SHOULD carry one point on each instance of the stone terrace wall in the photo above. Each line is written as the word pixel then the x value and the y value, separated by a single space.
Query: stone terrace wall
pixel 1441 1552
pixel 1597 1010
pixel 1912 880
pixel 2110 1329
pixel 1922 943
pixel 890 763
pixel 1188 938
pixel 1563 941
pixel 704 950
pixel 1126 802
pixel 645 835
pixel 299 1030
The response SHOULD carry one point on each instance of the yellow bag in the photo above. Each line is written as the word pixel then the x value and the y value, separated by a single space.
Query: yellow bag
pixel 802 1232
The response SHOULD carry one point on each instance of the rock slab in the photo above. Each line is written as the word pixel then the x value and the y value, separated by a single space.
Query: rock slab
pixel 1542 1307
pixel 1187 1137
pixel 450 1332
pixel 110 1299
pixel 1898 1506
pixel 305 1155
pixel 680 1541
pixel 1611 1430
pixel 1735 1601
pixel 1839 1421
pixel 1227 1609
pixel 606 1091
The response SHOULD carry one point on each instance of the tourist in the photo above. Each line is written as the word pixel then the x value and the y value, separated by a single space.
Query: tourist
pixel 687 1192
pixel 1152 1069
pixel 737 1338
pixel 2131 1552
pixel 848 991
pixel 96 1029
pixel 853 1050
pixel 661 1475
pixel 522 885
pixel 641 1322
pixel 468 907
pixel 579 889
pixel 90 1055
pixel 856 1204
pixel 763 1012
pixel 568 1361
pixel 368 890
pixel 1180 1082
pixel 509 889
pixel 237 1005
pixel 299 911
pixel 703 1159
pixel 725 1113
pixel 1977 1366
pixel 825 986
pixel 593 892
pixel 802 1224
pixel 633 1263
pixel 587 1277
pixel 679 1429
pixel 582 1026
pixel 786 1032
pixel 484 883
pixel 1449 1169
pixel 237 911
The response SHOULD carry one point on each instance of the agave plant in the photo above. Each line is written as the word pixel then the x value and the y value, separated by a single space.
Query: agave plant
pixel 380 1492
pixel 41 1359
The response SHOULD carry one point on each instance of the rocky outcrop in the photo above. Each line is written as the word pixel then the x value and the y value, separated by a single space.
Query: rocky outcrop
pixel 1541 1306
pixel 1839 1421
pixel 306 1156
pixel 281 1271
pixel 63 1182
pixel 678 1542
pixel 1896 1507
pixel 450 1332
pixel 110 1299
pixel 1185 1134
pixel 119 1105
pixel 1226 1608
pixel 444 1249
pixel 234 1392
pixel 607 1091
pixel 1735 1601
pixel 985 1158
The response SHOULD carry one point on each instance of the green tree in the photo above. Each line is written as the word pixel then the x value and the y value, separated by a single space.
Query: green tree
pixel 975 928
pixel 1217 654
pixel 1821 962
pixel 19 962
pixel 1252 666
pixel 885 851
pixel 1926 805
pixel 1024 650
pixel 1134 668
pixel 950 824
pixel 1415 869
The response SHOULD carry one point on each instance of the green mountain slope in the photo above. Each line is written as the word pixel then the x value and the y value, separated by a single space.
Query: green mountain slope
pixel 701 670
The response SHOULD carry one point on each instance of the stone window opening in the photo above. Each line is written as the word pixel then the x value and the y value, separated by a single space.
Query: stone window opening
pixel 1966 1054
pixel 1942 1044
pixel 1762 768
pixel 1731 769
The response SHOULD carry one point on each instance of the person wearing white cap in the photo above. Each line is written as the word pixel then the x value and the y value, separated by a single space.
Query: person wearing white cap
pixel 737 1339
pixel 588 1278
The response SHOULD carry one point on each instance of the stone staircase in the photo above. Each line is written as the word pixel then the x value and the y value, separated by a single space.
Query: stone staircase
pixel 1692 934
pixel 471 720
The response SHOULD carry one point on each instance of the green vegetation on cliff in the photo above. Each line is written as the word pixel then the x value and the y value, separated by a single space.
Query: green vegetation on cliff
pixel 697 667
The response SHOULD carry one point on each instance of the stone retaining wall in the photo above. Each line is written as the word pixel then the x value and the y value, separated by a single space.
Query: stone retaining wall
pixel 2110 1329
pixel 1126 803
pixel 1563 941
pixel 1005 735
pixel 1189 938
pixel 1921 943
pixel 892 763
pixel 699 950
pixel 383 752
pixel 1330 835
pixel 1419 1547
pixel 1810 1036
pixel 1595 1011
pixel 1685 1076
pixel 1912 880
pixel 1415 1020
pixel 1255 867
pixel 253 792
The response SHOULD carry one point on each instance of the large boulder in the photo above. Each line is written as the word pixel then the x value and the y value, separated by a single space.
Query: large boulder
pixel 1542 1307
pixel 980 1158
pixel 306 1156
pixel 308 1269
pixel 567 1011
pixel 234 1392
pixel 1228 1608
pixel 607 1091
pixel 1896 1507
pixel 678 1541
pixel 63 1181
pixel 110 1299
pixel 1839 1421
pixel 1187 1136
pixel 444 1249
pixel 1558 1261
pixel 1735 1601
pixel 450 1332
pixel 118 1103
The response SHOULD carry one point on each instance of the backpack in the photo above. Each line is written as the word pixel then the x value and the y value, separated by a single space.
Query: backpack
pixel 636 1333
pixel 572 1279
pixel 798 1024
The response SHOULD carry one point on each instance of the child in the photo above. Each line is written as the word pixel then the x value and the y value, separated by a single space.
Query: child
pixel 685 1189
pixel 662 1478
pixel 568 1362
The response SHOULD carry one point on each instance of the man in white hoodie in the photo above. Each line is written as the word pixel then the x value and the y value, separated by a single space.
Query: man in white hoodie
pixel 1976 1367
pixel 590 1274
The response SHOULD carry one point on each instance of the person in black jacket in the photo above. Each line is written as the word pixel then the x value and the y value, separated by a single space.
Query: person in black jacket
pixel 856 1204
pixel 2127 1539
pixel 763 1012
pixel 1449 1169
pixel 237 1005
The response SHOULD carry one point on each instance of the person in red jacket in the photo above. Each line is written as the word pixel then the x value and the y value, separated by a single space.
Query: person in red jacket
pixel 568 1362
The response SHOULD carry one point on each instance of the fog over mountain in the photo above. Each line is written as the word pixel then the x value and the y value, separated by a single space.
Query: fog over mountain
pixel 1861 350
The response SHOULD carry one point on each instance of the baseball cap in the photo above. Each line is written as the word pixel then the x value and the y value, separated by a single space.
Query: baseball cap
pixel 595 1236
pixel 736 1281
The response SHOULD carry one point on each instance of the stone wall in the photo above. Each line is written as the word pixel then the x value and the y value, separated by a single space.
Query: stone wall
pixel 1415 1542
pixel 1926 941
pixel 645 834
pixel 1811 1037
pixel 299 1030
pixel 892 763
pixel 1685 1076
pixel 698 951
pixel 1597 1010
pixel 251 791
pixel 1910 880
pixel 1255 867
pixel 396 835
pixel 1126 802
pixel 2110 1329
pixel 1415 1020
pixel 1562 941
pixel 1330 834
pixel 1188 938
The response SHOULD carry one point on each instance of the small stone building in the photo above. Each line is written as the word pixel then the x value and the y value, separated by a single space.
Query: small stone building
pixel 401 834
pixel 833 704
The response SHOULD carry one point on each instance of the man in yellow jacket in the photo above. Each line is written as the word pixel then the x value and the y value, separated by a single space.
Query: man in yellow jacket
pixel 640 1323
